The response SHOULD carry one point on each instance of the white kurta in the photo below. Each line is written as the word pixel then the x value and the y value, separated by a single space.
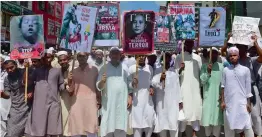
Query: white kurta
pixel 236 82
pixel 190 85
pixel 143 113
pixel 167 101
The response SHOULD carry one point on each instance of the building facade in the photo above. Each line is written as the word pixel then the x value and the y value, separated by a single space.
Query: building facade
pixel 9 9
pixel 52 15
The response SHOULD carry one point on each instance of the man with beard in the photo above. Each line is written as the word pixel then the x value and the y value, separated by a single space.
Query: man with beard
pixel 14 88
pixel 168 98
pixel 45 117
pixel 115 97
pixel 143 114
pixel 83 118
pixel 65 97
pixel 235 96
pixel 99 59
pixel 189 71
pixel 36 63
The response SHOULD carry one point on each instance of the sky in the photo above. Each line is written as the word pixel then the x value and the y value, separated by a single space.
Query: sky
pixel 144 5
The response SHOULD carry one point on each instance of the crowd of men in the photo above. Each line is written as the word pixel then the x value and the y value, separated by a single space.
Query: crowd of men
pixel 66 97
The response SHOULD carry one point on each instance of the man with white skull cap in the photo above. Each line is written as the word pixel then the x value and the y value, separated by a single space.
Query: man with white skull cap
pixel 236 94
pixel 115 97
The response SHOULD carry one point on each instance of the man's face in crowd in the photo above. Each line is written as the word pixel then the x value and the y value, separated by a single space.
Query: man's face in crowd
pixel 63 61
pixel 10 68
pixel 242 50
pixel 99 56
pixel 48 59
pixel 142 59
pixel 214 55
pixel 151 59
pixel 115 56
pixel 233 57
pixel 82 58
pixel 36 63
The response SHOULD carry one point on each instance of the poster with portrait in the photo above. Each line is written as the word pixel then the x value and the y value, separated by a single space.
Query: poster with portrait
pixel 78 28
pixel 27 37
pixel 139 32
pixel 51 7
pixel 58 11
pixel 212 26
pixel 107 24
pixel 51 27
pixel 243 28
pixel 162 39
pixel 57 28
pixel 182 20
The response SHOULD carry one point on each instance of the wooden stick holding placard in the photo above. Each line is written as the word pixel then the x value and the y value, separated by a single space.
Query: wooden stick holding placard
pixel 74 58
pixel 183 52
pixel 164 68
pixel 104 64
pixel 210 56
pixel 26 82
pixel 136 75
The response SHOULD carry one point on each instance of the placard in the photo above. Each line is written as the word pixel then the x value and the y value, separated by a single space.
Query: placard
pixel 162 33
pixel 107 24
pixel 27 37
pixel 243 28
pixel 78 28
pixel 139 32
pixel 183 20
pixel 212 26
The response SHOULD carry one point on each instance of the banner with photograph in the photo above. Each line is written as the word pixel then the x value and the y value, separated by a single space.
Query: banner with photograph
pixel 27 37
pixel 78 28
pixel 183 20
pixel 212 26
pixel 162 37
pixel 139 32
pixel 107 24
pixel 243 29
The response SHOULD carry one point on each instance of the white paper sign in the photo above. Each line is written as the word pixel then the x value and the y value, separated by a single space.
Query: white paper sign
pixel 243 29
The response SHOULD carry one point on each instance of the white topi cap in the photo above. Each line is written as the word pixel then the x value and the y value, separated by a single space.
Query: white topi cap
pixel 61 53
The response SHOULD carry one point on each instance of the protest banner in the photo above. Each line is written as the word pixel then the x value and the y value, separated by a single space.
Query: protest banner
pixel 212 26
pixel 27 37
pixel 139 32
pixel 182 21
pixel 78 27
pixel 243 29
pixel 162 33
pixel 107 24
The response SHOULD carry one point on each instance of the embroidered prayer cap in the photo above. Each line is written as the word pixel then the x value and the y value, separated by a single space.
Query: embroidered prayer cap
pixel 61 53
pixel 233 50
pixel 48 51
pixel 99 50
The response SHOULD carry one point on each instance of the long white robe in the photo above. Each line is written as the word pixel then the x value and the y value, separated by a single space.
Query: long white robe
pixel 167 101
pixel 236 82
pixel 143 113
pixel 190 85
pixel 114 98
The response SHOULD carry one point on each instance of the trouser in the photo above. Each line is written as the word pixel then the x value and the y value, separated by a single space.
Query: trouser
pixel 138 131
pixel 231 133
pixel 88 135
pixel 172 133
pixel 256 113
pixel 117 133
pixel 213 129
pixel 195 125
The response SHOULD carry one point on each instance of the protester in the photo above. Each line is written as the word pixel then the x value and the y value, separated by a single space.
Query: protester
pixel 45 116
pixel 142 113
pixel 5 103
pixel 99 62
pixel 66 101
pixel 14 88
pixel 190 87
pixel 210 76
pixel 236 93
pixel 115 97
pixel 168 97
pixel 83 113
pixel 252 64
pixel 36 63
